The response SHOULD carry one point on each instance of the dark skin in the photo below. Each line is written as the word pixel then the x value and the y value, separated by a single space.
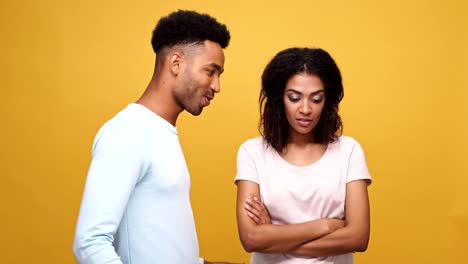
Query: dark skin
pixel 186 77
pixel 352 234
pixel 303 102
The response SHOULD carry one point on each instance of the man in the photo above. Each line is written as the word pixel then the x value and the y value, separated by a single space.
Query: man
pixel 136 206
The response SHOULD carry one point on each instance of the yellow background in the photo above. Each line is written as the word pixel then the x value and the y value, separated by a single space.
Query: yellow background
pixel 68 66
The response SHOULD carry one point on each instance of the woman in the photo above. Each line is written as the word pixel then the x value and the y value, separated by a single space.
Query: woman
pixel 302 188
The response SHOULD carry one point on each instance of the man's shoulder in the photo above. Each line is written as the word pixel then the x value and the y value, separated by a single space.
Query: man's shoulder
pixel 126 125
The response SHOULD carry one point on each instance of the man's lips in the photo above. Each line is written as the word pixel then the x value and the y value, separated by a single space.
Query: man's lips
pixel 206 100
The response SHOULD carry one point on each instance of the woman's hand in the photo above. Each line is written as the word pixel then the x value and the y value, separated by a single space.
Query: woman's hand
pixel 257 211
pixel 334 224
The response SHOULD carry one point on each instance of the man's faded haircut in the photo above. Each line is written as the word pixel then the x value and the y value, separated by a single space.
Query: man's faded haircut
pixel 188 27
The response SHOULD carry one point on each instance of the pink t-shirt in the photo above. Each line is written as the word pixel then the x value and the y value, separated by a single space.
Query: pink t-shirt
pixel 296 194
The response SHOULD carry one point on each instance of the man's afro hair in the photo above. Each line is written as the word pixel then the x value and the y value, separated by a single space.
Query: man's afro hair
pixel 183 27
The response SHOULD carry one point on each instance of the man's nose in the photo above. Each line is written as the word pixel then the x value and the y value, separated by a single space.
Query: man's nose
pixel 215 86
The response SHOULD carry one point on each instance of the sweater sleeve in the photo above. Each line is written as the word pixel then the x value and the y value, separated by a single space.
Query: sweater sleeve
pixel 116 166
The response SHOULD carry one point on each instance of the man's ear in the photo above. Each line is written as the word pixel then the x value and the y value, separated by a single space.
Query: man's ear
pixel 175 62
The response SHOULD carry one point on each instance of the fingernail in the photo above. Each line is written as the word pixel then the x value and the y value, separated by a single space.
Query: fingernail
pixel 248 200
pixel 255 198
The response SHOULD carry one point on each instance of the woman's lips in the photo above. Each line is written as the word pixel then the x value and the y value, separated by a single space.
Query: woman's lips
pixel 304 122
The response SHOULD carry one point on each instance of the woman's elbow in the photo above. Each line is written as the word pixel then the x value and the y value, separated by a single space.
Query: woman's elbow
pixel 248 247
pixel 360 243
pixel 250 242
pixel 361 247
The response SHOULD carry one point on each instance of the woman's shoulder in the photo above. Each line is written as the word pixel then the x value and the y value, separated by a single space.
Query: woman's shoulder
pixel 253 143
pixel 346 140
pixel 344 144
pixel 256 146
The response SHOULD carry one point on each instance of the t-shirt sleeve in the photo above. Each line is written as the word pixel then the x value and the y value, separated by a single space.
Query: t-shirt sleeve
pixel 246 169
pixel 357 169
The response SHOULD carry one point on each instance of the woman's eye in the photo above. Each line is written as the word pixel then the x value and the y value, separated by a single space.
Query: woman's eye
pixel 317 99
pixel 294 98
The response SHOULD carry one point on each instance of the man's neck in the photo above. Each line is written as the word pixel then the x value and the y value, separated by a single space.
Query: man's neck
pixel 159 100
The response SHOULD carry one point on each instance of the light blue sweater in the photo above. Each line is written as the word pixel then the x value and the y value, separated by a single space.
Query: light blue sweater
pixel 136 206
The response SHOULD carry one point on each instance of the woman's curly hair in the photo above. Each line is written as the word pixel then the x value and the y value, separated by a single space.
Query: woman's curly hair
pixel 274 125
pixel 184 27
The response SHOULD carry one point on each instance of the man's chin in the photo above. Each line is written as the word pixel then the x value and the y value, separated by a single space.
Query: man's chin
pixel 195 112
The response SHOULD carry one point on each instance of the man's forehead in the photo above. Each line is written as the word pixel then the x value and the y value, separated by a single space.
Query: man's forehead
pixel 207 54
pixel 206 47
